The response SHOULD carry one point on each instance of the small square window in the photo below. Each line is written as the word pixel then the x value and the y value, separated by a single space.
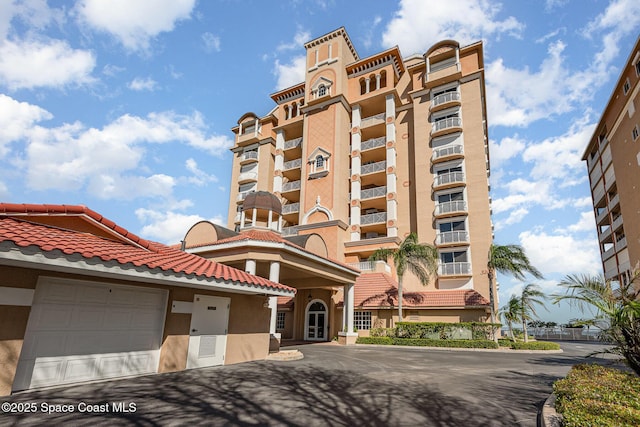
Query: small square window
pixel 280 320
pixel 362 320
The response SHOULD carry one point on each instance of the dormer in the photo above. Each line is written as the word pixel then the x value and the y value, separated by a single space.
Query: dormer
pixel 318 163
pixel 321 88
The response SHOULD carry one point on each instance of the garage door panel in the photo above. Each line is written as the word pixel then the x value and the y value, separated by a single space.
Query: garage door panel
pixel 76 334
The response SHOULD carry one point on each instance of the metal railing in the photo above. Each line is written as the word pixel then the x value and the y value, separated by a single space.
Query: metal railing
pixel 249 155
pixel 292 143
pixel 374 218
pixel 452 206
pixel 452 237
pixel 445 97
pixel 290 231
pixel 373 143
pixel 292 164
pixel 454 268
pixel 291 186
pixel 371 193
pixel 373 167
pixel 447 123
pixel 291 208
pixel 372 120
pixel 447 151
pixel 448 178
pixel 248 176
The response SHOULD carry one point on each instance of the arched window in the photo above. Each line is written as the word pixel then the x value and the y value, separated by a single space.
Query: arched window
pixel 322 90
pixel 319 162
pixel 363 87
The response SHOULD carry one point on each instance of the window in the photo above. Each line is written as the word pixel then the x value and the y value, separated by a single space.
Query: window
pixel 280 316
pixel 638 68
pixel 635 132
pixel 449 257
pixel 322 90
pixel 626 86
pixel 451 197
pixel 362 320
pixel 319 163
pixel 452 226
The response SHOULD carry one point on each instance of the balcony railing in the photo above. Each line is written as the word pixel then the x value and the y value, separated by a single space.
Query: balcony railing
pixel 291 208
pixel 372 120
pixel 289 231
pixel 443 98
pixel 373 167
pixel 447 123
pixel 374 218
pixel 292 143
pixel 448 178
pixel 621 244
pixel 617 223
pixel 605 234
pixel 608 253
pixel 452 237
pixel 372 193
pixel 454 268
pixel 249 155
pixel 452 206
pixel 370 144
pixel 614 201
pixel 291 186
pixel 242 195
pixel 248 176
pixel 447 151
pixel 292 164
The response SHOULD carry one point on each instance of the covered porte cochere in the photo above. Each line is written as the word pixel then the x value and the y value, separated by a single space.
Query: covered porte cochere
pixel 323 306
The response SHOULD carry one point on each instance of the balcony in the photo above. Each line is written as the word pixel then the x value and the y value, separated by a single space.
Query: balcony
pixel 372 120
pixel 371 266
pixel 447 153
pixel 454 269
pixel 452 207
pixel 290 208
pixel 291 186
pixel 248 157
pixel 372 193
pixel 445 99
pixel 608 253
pixel 245 177
pixel 598 192
pixel 241 196
pixel 237 218
pixel 370 144
pixel 249 134
pixel 373 167
pixel 292 143
pixel 443 71
pixel 614 201
pixel 452 238
pixel 289 231
pixel 443 125
pixel 605 235
pixel 448 179
pixel 374 218
pixel 602 216
pixel 617 223
pixel 621 244
pixel 292 164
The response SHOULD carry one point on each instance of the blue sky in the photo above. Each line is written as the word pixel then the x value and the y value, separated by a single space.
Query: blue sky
pixel 126 106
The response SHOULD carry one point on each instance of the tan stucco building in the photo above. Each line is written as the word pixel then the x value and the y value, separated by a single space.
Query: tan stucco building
pixel 361 153
pixel 613 163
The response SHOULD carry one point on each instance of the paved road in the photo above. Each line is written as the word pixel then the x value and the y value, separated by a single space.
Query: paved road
pixel 332 386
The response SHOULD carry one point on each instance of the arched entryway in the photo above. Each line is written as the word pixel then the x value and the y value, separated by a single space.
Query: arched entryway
pixel 316 321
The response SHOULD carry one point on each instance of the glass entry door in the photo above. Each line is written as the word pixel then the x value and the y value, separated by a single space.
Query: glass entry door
pixel 316 322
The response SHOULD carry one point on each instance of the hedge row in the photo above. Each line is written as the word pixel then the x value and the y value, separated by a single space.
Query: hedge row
pixel 534 345
pixel 439 330
pixel 593 395
pixel 425 342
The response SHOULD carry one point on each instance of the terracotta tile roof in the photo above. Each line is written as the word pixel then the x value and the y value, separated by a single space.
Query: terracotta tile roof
pixel 15 228
pixel 373 290
pixel 285 303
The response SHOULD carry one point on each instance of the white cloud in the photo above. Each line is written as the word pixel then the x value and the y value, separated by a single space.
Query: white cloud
pixel 134 23
pixel 4 191
pixel 16 119
pixel 586 223
pixel 409 28
pixel 506 149
pixel 140 84
pixel 211 42
pixel 561 254
pixel 112 70
pixel 290 74
pixel 32 64
pixel 199 176
pixel 516 216
pixel 128 187
pixel 168 227
pixel 35 13
pixel 299 39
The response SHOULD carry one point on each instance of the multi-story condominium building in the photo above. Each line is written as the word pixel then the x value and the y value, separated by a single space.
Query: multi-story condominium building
pixel 613 163
pixel 363 152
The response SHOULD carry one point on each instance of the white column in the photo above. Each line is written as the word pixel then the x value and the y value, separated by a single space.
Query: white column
pixel 377 81
pixel 392 211
pixel 274 276
pixel 279 161
pixel 250 266
pixel 242 219
pixel 349 292
pixel 330 50
pixel 270 219
pixel 254 216
pixel 367 82
pixel 257 128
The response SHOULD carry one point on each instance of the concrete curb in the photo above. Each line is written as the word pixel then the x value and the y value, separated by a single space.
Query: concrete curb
pixel 550 418
pixel 286 355
pixel 489 350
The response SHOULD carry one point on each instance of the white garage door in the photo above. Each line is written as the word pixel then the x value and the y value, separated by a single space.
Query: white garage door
pixel 82 331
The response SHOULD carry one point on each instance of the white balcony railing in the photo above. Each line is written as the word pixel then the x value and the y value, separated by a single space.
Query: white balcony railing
pixel 289 231
pixel 447 151
pixel 292 143
pixel 454 268
pixel 447 123
pixel 608 253
pixel 448 178
pixel 249 155
pixel 292 164
pixel 616 222
pixel 621 244
pixel 372 143
pixel 452 206
pixel 443 98
pixel 243 195
pixel 372 120
pixel 374 218
pixel 372 193
pixel 604 235
pixel 248 176
pixel 291 186
pixel 364 265
pixel 373 167
pixel 291 208
pixel 452 237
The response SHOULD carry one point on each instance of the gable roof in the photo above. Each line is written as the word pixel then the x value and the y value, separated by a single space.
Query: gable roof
pixel 26 239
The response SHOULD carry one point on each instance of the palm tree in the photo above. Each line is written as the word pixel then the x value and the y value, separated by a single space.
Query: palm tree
pixel 421 259
pixel 510 313
pixel 615 307
pixel 530 297
pixel 507 259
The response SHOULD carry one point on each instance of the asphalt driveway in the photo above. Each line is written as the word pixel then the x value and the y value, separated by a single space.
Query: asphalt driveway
pixel 332 386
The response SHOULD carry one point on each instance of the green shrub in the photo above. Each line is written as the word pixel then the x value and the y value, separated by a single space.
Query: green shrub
pixel 445 331
pixel 504 342
pixel 382 332
pixel 425 342
pixel 593 395
pixel 534 345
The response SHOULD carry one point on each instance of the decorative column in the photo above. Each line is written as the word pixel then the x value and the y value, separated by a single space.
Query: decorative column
pixel 367 82
pixel 377 81
pixel 348 337
pixel 250 266
pixel 354 203
pixel 279 162
pixel 392 200
pixel 242 219
pixel 274 276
